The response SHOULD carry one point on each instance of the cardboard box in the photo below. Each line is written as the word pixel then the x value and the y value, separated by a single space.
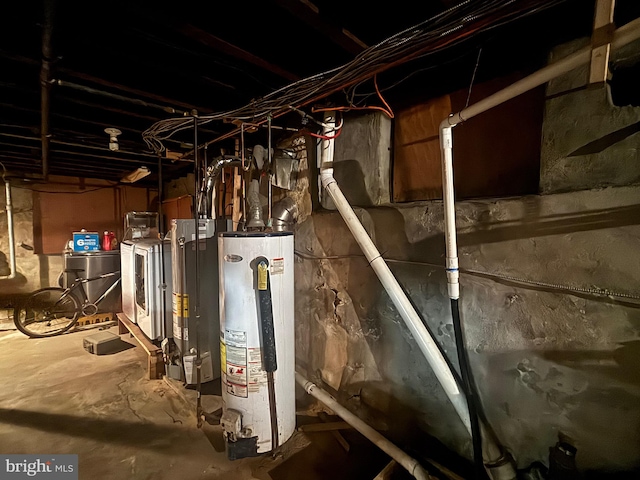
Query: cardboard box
pixel 86 241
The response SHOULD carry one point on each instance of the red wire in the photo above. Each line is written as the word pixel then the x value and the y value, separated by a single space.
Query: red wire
pixel 326 137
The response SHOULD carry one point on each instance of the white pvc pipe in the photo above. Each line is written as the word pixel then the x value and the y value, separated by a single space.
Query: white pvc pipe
pixel 621 37
pixel 453 274
pixel 408 462
pixel 12 243
pixel 423 338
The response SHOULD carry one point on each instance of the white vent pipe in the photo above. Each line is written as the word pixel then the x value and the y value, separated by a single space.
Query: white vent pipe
pixel 408 462
pixel 622 36
pixel 423 338
pixel 12 243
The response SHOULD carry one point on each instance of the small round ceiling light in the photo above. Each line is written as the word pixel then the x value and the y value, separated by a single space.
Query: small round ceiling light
pixel 113 138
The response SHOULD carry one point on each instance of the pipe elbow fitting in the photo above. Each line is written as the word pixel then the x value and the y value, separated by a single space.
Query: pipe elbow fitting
pixel 284 214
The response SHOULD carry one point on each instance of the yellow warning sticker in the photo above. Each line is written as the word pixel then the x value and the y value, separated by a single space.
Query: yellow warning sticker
pixel 181 304
pixel 223 356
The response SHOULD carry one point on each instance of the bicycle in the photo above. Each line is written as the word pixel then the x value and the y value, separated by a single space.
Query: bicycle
pixel 52 311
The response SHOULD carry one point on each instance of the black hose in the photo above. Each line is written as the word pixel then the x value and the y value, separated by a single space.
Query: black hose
pixel 268 341
pixel 469 390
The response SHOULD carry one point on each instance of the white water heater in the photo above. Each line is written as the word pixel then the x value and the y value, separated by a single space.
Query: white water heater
pixel 257 341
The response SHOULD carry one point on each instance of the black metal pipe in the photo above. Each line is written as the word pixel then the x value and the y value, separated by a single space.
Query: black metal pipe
pixel 196 303
pixel 161 232
pixel 114 96
pixel 468 386
pixel 45 81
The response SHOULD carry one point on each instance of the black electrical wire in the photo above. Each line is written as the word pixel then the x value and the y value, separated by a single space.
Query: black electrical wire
pixel 469 389
pixel 430 36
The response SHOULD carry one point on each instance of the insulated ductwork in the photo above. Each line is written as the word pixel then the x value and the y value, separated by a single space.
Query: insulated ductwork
pixel 213 170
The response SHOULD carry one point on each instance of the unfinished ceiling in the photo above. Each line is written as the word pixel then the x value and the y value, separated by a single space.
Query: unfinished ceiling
pixel 128 65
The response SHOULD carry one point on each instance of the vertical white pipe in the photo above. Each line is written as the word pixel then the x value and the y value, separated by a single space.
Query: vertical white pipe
pixel 622 36
pixel 12 242
pixel 425 342
pixel 408 462
pixel 453 274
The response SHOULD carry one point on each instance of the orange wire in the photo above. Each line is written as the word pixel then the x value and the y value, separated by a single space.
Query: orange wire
pixel 388 111
pixel 375 83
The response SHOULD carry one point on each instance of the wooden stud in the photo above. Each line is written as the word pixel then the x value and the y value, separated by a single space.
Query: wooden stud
pixel 236 213
pixel 601 46
pixel 387 472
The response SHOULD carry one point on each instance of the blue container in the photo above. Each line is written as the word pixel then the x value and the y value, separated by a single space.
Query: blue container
pixel 86 241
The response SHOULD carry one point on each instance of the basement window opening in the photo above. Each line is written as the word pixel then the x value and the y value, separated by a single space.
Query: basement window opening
pixel 624 85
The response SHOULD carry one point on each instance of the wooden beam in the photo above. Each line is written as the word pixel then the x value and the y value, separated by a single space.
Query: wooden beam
pixel 602 32
pixel 211 41
pixel 155 363
pixel 387 472
pixel 310 14
pixel 324 427
pixel 236 214
pixel 336 434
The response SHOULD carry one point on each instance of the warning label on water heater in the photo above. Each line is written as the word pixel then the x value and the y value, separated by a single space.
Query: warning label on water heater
pixel 235 363
pixel 257 376
pixel 277 266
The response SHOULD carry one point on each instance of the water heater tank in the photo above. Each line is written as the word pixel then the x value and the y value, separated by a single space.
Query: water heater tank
pixel 258 390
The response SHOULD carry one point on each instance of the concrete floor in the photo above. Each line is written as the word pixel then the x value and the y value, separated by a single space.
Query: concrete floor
pixel 59 399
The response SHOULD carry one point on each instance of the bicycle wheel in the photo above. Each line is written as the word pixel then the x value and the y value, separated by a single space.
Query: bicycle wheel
pixel 46 313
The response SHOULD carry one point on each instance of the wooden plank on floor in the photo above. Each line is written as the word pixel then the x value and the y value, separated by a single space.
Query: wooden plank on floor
pixel 337 435
pixel 325 427
pixel 155 363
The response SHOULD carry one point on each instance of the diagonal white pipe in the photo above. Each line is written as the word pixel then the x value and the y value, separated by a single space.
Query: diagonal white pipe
pixel 408 462
pixel 494 456
pixel 622 36
pixel 425 342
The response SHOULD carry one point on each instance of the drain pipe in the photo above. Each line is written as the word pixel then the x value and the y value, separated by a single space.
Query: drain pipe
pixel 12 243
pixel 426 343
pixel 408 462
pixel 622 36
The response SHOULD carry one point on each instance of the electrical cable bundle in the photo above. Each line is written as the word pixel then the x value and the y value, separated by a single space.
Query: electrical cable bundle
pixel 443 30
